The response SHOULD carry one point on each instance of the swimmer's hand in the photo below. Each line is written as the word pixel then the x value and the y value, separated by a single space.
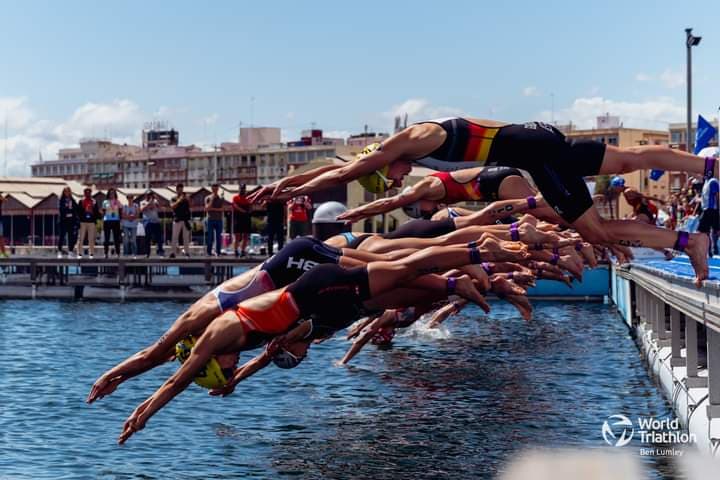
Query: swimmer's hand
pixel 353 215
pixel 104 386
pixel 259 195
pixel 135 422
pixel 466 288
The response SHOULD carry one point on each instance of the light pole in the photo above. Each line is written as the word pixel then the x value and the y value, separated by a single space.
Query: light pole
pixel 690 41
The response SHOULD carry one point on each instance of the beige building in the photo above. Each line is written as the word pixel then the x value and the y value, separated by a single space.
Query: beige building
pixel 678 134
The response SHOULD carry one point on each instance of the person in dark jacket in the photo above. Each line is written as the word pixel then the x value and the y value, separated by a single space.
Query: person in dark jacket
pixel 68 208
pixel 89 215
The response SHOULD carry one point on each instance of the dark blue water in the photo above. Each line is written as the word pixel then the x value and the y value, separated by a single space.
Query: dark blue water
pixel 456 404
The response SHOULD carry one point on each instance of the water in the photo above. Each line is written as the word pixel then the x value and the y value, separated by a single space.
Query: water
pixel 455 403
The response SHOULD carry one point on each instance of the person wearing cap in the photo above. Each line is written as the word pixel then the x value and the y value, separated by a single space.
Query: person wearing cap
pixel 557 166
pixel 89 215
pixel 325 223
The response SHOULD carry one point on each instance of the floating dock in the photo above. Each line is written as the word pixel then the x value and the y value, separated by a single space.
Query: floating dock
pixel 677 328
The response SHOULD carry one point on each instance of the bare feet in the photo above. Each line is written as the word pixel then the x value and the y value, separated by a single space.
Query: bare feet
pixel 697 250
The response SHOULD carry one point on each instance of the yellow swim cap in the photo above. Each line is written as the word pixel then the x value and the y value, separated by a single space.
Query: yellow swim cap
pixel 375 182
pixel 211 376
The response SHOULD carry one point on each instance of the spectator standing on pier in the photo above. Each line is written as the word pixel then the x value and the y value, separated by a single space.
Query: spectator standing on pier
pixel 3 253
pixel 214 210
pixel 129 223
pixel 89 215
pixel 150 209
pixel 299 216
pixel 241 224
pixel 111 207
pixel 180 205
pixel 710 218
pixel 275 228
pixel 68 209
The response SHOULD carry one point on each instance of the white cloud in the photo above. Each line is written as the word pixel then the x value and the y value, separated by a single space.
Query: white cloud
pixel 29 137
pixel 421 109
pixel 14 112
pixel 656 113
pixel 672 78
pixel 643 77
pixel 210 119
pixel 530 91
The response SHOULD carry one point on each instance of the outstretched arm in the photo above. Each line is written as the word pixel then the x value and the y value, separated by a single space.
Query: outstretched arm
pixel 210 342
pixel 288 182
pixel 392 149
pixel 382 205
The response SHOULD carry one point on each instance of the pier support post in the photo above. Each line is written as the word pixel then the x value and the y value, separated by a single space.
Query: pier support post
pixel 713 352
pixel 641 304
pixel 677 359
pixel 691 355
pixel 661 311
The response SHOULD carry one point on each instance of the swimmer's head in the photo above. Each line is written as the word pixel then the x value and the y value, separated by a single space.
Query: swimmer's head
pixel 291 356
pixel 325 223
pixel 420 208
pixel 216 373
pixel 377 181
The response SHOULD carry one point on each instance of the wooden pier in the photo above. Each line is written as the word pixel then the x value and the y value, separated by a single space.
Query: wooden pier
pixel 122 278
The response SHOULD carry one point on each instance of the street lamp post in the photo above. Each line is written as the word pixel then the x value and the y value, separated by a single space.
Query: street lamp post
pixel 690 41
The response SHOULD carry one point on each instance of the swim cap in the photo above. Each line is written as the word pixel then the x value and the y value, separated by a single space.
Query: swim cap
pixel 286 360
pixel 375 182
pixel 211 376
pixel 328 212
pixel 617 182
pixel 412 209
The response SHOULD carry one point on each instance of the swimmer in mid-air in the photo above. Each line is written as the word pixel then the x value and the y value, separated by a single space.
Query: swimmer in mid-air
pixel 556 166
pixel 324 300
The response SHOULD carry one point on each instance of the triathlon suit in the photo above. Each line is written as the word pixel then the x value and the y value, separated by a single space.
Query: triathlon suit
pixel 484 187
pixel 296 258
pixel 556 165
pixel 330 296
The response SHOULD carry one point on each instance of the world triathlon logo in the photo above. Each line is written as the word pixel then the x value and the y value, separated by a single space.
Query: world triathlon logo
pixel 617 430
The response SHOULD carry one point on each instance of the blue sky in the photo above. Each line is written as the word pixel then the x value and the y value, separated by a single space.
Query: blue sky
pixel 75 69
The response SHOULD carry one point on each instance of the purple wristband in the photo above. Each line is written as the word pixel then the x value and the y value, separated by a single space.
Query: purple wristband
pixel 475 256
pixel 532 204
pixel 514 234
pixel 510 275
pixel 486 267
pixel 472 244
pixel 709 167
pixel 556 250
pixel 682 241
pixel 451 284
pixel 578 246
pixel 554 259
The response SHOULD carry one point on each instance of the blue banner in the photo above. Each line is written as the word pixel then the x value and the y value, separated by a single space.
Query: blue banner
pixel 703 134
